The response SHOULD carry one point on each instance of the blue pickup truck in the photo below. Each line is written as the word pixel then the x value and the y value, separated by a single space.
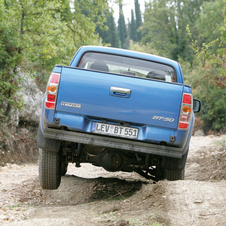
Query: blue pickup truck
pixel 117 109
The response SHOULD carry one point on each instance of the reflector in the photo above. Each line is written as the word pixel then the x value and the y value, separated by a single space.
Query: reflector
pixel 51 98
pixel 55 78
pixel 187 99
pixel 184 118
pixel 52 89
pixel 50 105
pixel 186 109
pixel 183 125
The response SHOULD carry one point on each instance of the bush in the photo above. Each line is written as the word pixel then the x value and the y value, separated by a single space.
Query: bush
pixel 9 81
pixel 208 78
pixel 210 89
pixel 209 85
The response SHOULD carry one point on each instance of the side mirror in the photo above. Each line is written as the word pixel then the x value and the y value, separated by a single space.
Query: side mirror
pixel 196 105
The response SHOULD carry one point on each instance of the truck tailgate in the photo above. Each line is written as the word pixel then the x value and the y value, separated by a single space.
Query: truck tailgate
pixel 89 93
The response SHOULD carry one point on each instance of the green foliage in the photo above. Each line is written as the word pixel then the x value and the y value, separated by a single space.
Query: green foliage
pixel 209 83
pixel 36 35
pixel 113 38
pixel 108 33
pixel 82 21
pixel 165 24
pixel 136 222
pixel 135 25
pixel 148 48
pixel 122 31
pixel 38 30
pixel 181 32
pixel 138 21
pixel 207 32
pixel 49 32
pixel 133 28
pixel 210 89
pixel 9 59
pixel 221 144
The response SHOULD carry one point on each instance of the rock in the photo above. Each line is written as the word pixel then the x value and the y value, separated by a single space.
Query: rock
pixel 121 223
pixel 4 217
pixel 23 131
pixel 199 133
pixel 30 212
pixel 32 103
pixel 4 209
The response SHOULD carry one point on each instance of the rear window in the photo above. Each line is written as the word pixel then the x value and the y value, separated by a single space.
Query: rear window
pixel 127 66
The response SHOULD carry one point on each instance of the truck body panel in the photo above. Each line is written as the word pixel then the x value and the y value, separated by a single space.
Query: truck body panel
pixel 91 90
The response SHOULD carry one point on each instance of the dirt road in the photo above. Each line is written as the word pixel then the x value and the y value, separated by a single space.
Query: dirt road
pixel 92 196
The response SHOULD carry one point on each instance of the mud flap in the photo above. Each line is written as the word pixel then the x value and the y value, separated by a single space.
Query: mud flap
pixel 174 163
pixel 46 143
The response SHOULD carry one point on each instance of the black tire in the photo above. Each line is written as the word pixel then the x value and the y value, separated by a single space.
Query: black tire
pixel 174 163
pixel 172 175
pixel 64 168
pixel 49 169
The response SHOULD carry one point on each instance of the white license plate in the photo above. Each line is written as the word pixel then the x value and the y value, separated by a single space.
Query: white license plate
pixel 113 130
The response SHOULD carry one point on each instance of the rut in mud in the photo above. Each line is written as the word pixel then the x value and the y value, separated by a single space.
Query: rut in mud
pixel 92 196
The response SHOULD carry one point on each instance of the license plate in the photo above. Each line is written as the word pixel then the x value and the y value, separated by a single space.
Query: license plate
pixel 114 130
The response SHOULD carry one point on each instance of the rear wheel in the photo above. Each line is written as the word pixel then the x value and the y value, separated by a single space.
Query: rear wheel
pixel 174 168
pixel 169 174
pixel 174 174
pixel 64 166
pixel 159 173
pixel 49 169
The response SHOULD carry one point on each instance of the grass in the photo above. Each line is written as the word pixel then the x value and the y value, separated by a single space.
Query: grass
pixel 221 144
pixel 15 206
pixel 24 206
pixel 138 222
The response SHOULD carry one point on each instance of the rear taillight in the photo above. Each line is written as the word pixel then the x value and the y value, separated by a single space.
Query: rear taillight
pixel 185 111
pixel 51 90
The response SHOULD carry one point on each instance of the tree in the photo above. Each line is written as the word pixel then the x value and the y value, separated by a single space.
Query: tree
pixel 9 59
pixel 208 78
pixel 30 32
pixel 205 32
pixel 44 28
pixel 138 21
pixel 113 38
pixel 165 24
pixel 84 17
pixel 133 28
pixel 108 32
pixel 37 34
pixel 122 27
pixel 38 30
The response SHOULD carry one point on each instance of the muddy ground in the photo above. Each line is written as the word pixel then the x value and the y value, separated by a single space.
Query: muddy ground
pixel 92 196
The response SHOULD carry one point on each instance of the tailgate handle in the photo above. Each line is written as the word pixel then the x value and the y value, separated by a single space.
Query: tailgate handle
pixel 120 92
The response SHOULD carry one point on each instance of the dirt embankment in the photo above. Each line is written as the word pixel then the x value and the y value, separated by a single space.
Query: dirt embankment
pixel 92 196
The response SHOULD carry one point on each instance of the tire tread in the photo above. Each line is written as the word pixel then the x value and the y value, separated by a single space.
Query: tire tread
pixel 49 169
pixel 172 175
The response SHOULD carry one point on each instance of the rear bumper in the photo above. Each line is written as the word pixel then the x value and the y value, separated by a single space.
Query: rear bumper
pixel 112 142
pixel 151 134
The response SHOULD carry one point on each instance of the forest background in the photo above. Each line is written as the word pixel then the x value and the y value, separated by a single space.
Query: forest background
pixel 36 34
